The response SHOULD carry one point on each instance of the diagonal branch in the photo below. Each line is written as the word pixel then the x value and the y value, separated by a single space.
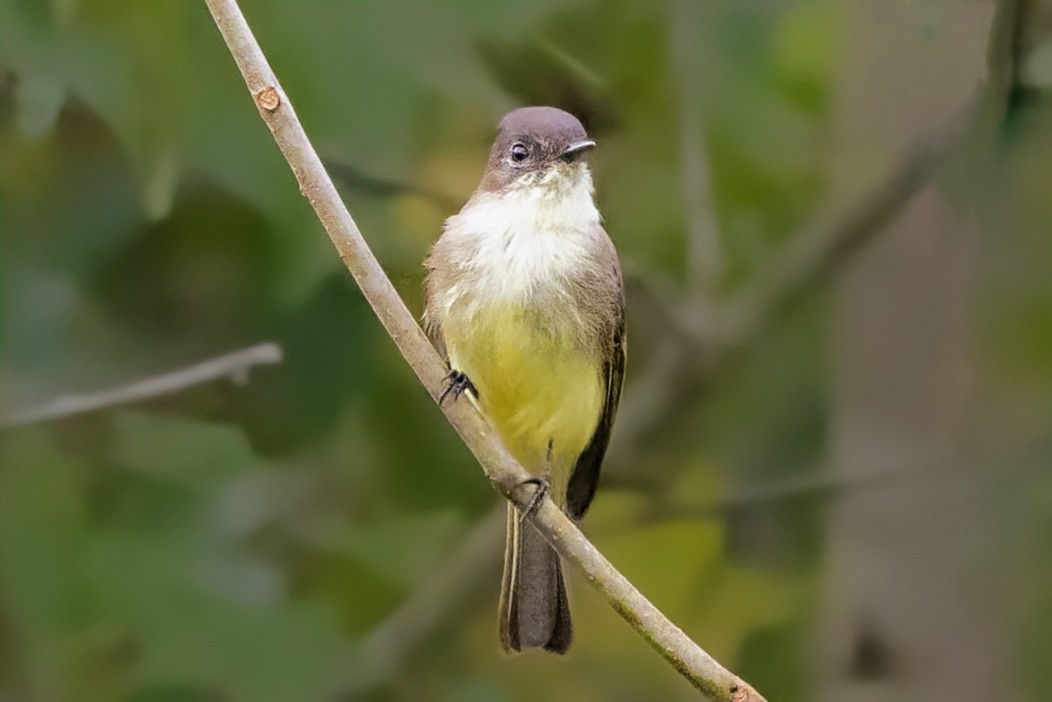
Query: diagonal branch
pixel 385 649
pixel 694 352
pixel 820 484
pixel 437 599
pixel 234 366
pixel 357 179
pixel 1007 49
pixel 822 244
pixel 690 357
pixel 829 239
pixel 705 264
pixel 688 658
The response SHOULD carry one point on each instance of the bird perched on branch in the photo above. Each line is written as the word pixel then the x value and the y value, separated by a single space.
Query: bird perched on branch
pixel 526 303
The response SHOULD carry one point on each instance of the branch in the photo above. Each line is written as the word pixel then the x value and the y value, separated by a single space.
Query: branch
pixel 440 597
pixel 822 244
pixel 690 357
pixel 357 179
pixel 705 265
pixel 819 484
pixel 385 649
pixel 698 349
pixel 704 672
pixel 1006 50
pixel 234 366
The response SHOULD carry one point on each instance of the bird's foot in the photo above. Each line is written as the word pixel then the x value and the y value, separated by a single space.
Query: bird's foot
pixel 542 487
pixel 457 384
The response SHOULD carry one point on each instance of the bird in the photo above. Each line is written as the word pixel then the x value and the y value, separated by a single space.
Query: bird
pixel 524 299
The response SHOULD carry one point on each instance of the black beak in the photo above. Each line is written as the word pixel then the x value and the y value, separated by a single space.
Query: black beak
pixel 577 148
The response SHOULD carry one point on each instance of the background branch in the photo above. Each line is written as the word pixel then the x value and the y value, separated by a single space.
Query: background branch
pixel 383 653
pixel 820 484
pixel 356 179
pixel 818 248
pixel 1007 50
pixel 691 356
pixel 691 661
pixel 233 366
pixel 438 599
pixel 705 264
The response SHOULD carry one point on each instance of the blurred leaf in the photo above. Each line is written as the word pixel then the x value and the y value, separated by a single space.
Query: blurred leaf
pixel 231 542
pixel 774 661
pixel 326 341
pixel 40 98
pixel 204 271
pixel 42 532
pixel 182 451
pixel 804 52
pixel 176 692
pixel 405 549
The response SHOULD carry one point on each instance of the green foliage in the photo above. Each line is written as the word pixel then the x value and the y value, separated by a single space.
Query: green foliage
pixel 237 542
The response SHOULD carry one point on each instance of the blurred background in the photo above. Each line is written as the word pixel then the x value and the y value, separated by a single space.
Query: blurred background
pixel 831 466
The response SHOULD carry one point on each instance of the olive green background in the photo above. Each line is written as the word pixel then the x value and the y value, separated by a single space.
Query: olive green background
pixel 241 542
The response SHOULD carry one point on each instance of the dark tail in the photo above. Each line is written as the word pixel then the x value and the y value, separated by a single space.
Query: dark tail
pixel 533 606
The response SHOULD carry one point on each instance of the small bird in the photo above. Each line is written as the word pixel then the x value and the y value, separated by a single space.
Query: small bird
pixel 524 298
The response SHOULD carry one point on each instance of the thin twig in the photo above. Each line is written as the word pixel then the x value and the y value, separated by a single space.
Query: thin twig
pixel 356 179
pixel 233 366
pixel 818 484
pixel 822 244
pixel 384 651
pixel 1006 52
pixel 441 596
pixel 691 356
pixel 703 671
pixel 705 264
pixel 820 247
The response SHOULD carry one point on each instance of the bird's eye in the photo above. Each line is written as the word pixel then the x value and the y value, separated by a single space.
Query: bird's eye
pixel 519 152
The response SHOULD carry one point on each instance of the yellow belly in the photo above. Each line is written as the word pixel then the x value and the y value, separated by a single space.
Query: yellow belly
pixel 540 389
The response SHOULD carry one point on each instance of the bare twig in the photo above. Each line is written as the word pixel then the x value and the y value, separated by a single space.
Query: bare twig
pixel 383 652
pixel 357 179
pixel 1006 51
pixel 233 366
pixel 691 661
pixel 572 64
pixel 440 597
pixel 820 246
pixel 704 257
pixel 690 356
pixel 818 484
pixel 700 351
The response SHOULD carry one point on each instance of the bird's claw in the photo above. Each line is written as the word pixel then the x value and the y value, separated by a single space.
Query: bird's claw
pixel 542 485
pixel 457 383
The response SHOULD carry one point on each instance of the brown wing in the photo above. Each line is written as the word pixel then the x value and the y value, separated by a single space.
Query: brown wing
pixel 434 332
pixel 585 476
pixel 430 319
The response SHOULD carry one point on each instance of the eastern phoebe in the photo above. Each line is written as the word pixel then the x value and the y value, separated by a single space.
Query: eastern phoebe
pixel 525 301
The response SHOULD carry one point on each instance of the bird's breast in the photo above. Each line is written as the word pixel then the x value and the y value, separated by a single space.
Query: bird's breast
pixel 514 322
pixel 536 382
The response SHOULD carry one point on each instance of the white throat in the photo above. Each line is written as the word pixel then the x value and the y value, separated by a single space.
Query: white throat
pixel 557 201
pixel 529 236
